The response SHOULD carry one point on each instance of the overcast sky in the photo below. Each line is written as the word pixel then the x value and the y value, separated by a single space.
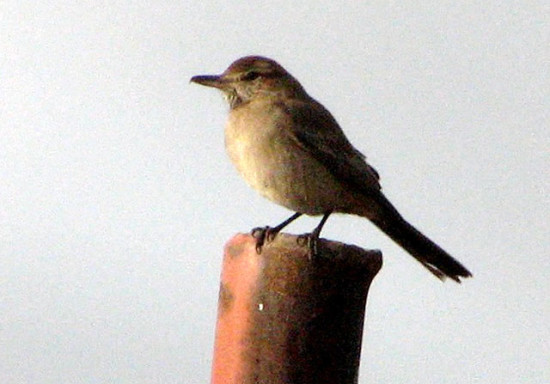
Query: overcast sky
pixel 116 195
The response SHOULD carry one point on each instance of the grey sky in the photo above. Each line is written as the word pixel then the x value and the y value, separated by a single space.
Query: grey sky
pixel 117 197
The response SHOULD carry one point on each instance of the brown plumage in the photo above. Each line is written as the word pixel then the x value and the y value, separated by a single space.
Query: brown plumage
pixel 290 148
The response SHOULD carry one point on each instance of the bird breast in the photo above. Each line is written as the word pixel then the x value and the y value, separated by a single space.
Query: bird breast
pixel 259 142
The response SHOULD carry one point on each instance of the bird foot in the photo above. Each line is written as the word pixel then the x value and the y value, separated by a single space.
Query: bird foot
pixel 263 235
pixel 311 241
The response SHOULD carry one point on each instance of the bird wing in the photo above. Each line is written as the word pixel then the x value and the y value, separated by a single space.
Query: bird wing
pixel 314 129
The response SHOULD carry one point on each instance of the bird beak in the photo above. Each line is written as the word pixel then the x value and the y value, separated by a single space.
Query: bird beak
pixel 215 81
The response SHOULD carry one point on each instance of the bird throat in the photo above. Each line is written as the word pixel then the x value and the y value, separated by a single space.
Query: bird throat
pixel 233 99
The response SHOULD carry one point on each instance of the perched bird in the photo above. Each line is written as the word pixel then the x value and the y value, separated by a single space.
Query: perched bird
pixel 290 148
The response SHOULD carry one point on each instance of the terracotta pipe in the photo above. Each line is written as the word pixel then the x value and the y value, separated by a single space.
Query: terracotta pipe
pixel 284 317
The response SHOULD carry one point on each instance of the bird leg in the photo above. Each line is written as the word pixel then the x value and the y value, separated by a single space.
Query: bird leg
pixel 267 234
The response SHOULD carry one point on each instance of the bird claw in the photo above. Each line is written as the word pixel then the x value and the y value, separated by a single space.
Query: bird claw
pixel 309 240
pixel 267 234
pixel 263 235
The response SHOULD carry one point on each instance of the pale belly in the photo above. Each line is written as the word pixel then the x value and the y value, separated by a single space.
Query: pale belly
pixel 276 166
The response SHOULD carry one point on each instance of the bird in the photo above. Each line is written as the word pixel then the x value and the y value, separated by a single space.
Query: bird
pixel 290 148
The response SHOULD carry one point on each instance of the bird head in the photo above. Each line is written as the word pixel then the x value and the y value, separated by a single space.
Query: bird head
pixel 252 77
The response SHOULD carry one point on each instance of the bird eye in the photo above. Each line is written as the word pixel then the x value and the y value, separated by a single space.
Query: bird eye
pixel 249 76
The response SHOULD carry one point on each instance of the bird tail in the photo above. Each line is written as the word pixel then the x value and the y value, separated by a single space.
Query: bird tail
pixel 429 254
